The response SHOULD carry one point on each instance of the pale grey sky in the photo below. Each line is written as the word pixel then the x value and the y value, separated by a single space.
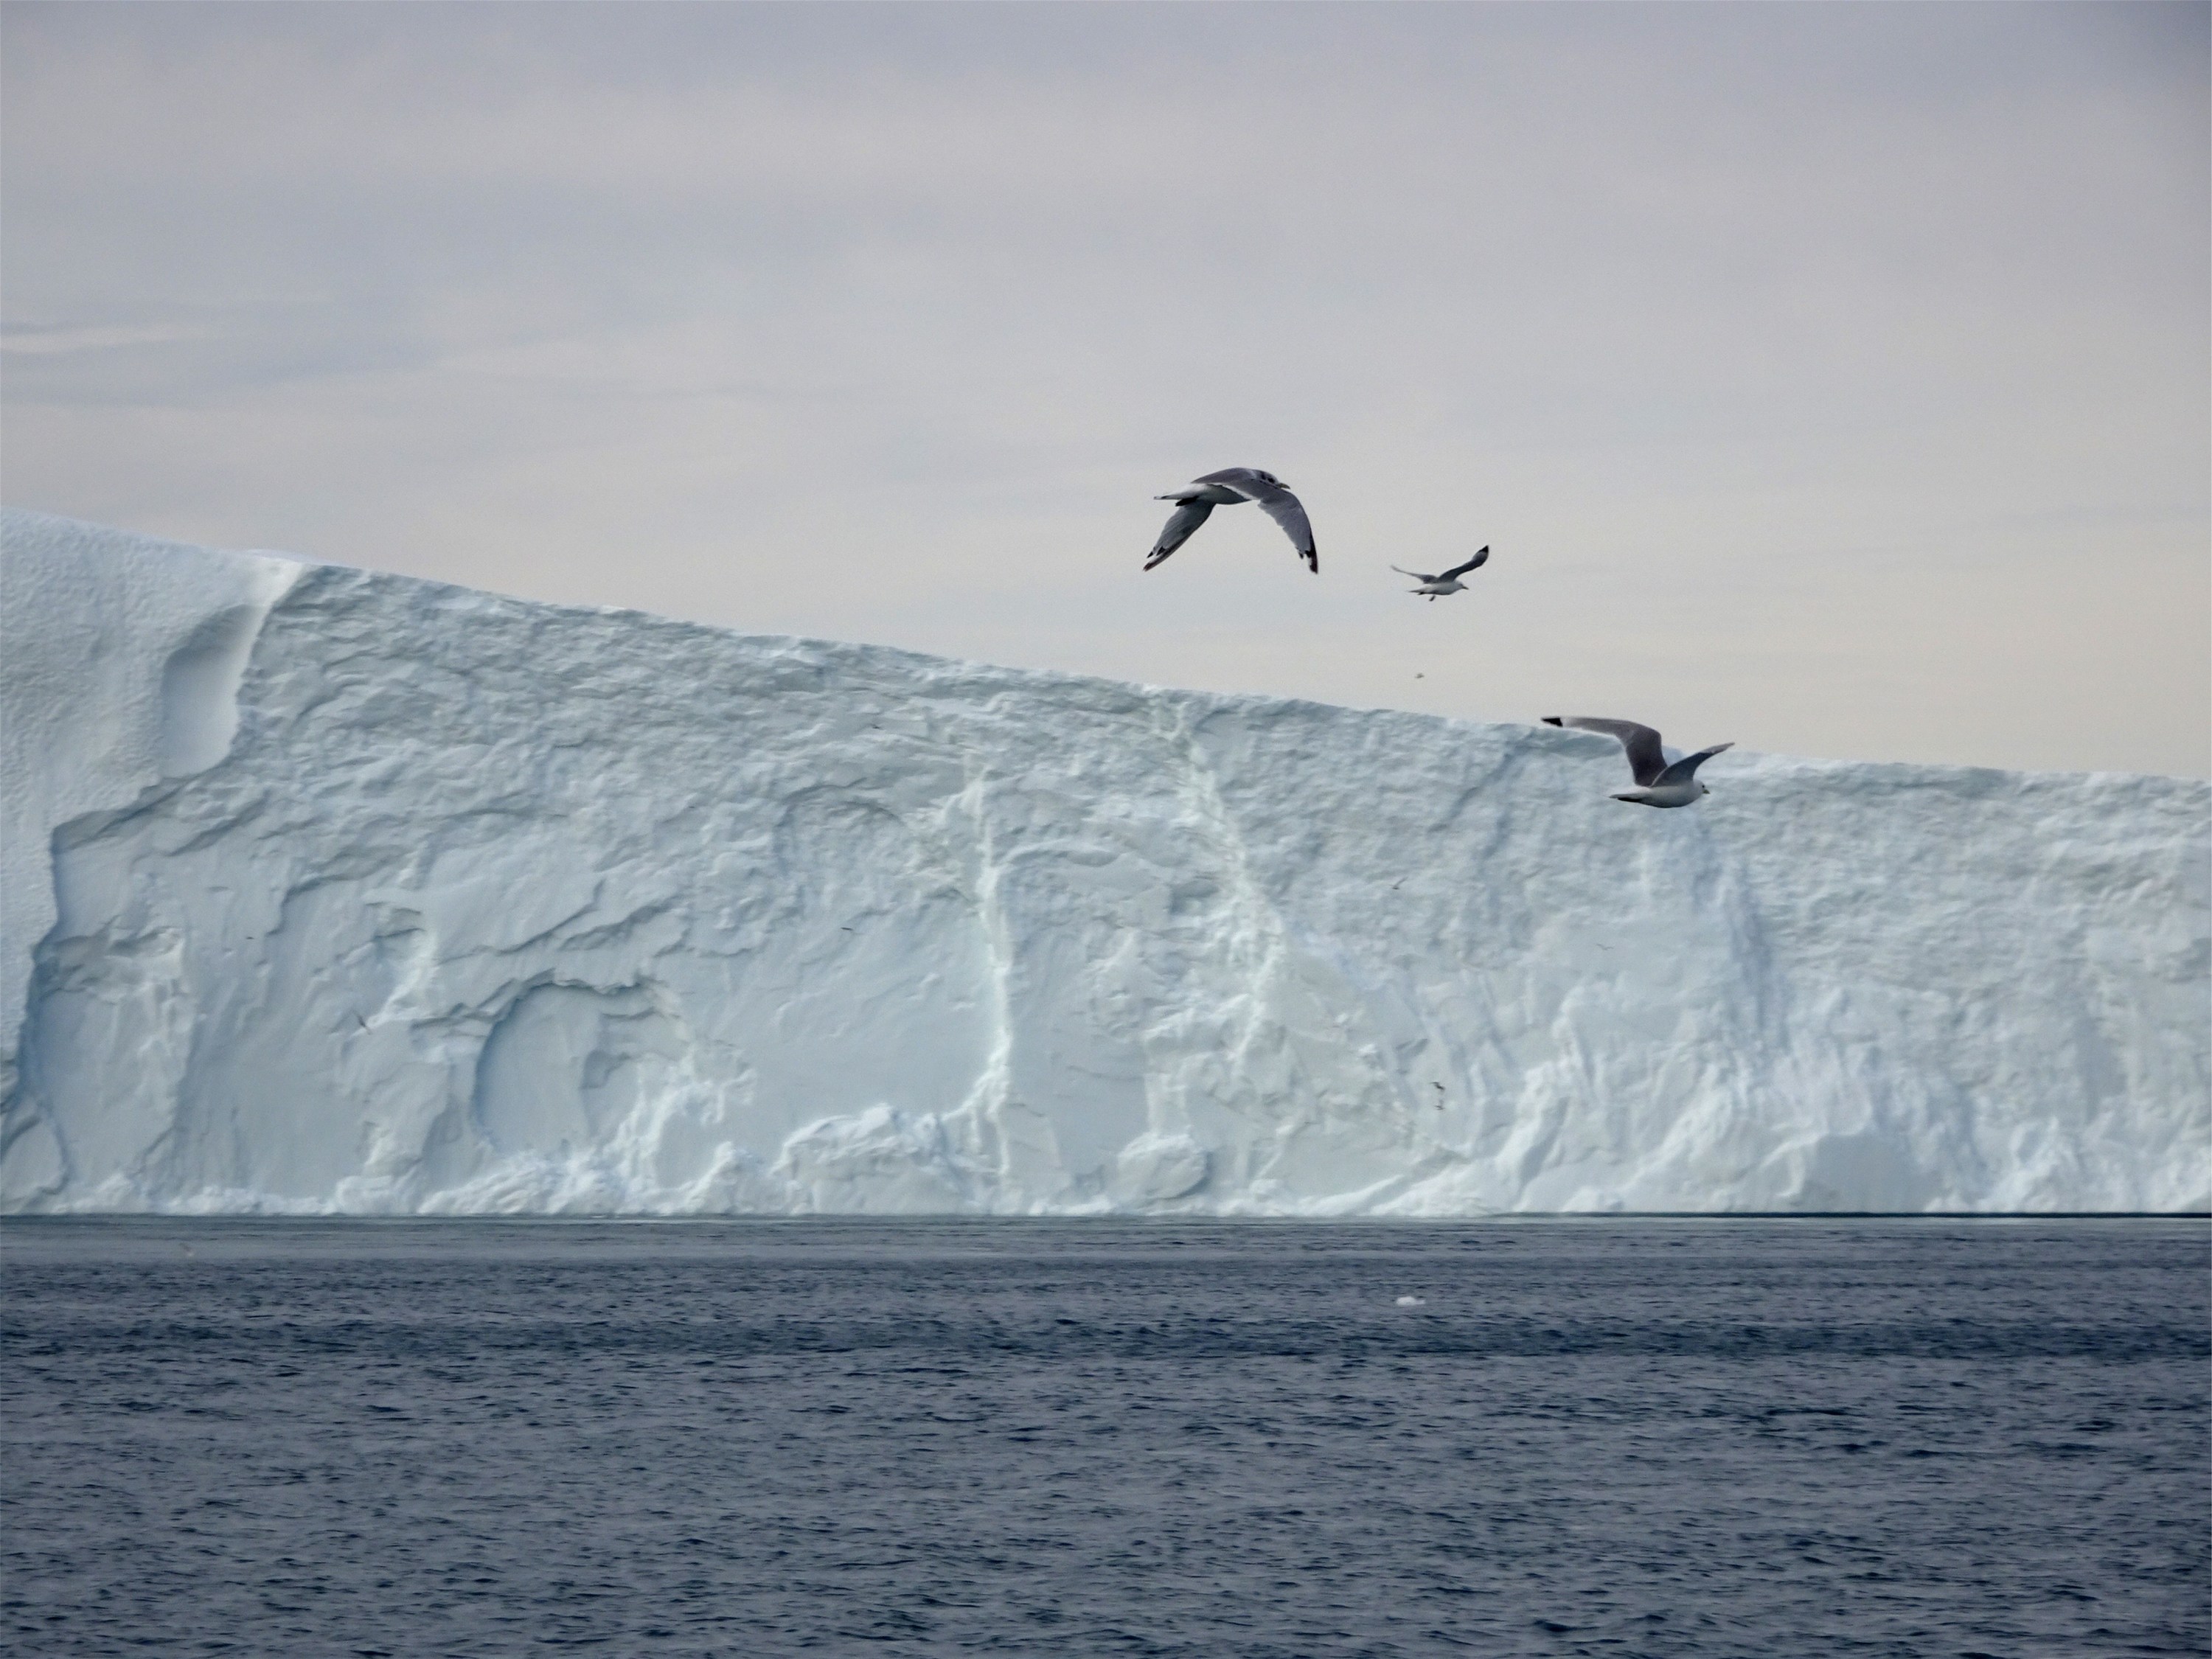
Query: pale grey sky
pixel 1828 378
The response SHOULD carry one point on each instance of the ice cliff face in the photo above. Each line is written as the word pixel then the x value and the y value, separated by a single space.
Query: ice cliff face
pixel 330 890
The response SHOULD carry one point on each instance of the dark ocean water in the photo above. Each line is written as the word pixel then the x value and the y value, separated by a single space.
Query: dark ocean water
pixel 1640 1437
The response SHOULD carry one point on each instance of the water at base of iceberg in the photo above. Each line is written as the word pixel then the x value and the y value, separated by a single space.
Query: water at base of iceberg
pixel 1648 1438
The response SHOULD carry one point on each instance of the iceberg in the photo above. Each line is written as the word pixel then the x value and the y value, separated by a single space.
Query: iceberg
pixel 329 891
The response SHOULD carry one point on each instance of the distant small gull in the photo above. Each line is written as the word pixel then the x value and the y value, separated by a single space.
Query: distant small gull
pixel 1409 1301
pixel 1198 498
pixel 1444 582
pixel 1657 784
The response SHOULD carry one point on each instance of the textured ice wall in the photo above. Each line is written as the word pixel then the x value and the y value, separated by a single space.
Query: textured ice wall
pixel 119 665
pixel 330 890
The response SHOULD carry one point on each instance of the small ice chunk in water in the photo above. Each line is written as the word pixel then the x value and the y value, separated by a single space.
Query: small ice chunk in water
pixel 1410 1302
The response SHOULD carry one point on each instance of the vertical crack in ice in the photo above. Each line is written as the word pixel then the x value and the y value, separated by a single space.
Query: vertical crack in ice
pixel 983 1114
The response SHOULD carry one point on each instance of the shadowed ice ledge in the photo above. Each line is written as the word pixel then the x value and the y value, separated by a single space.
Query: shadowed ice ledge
pixel 335 891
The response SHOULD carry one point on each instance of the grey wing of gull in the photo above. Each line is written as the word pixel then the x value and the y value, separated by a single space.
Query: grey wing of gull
pixel 1418 575
pixel 1645 758
pixel 1686 768
pixel 1461 569
pixel 1279 504
pixel 1183 520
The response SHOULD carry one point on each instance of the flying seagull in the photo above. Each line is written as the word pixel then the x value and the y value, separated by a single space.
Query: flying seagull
pixel 1657 784
pixel 1445 582
pixel 1225 488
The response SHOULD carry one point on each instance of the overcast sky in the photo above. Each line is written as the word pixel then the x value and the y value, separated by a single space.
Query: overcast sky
pixel 1831 378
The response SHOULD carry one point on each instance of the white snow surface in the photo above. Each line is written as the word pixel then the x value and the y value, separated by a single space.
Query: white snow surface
pixel 334 891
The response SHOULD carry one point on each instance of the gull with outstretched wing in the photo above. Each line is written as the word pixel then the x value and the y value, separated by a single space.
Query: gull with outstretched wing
pixel 1657 783
pixel 1445 582
pixel 1198 498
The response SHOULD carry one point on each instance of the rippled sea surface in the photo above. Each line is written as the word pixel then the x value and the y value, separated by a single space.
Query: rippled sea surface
pixel 1647 1438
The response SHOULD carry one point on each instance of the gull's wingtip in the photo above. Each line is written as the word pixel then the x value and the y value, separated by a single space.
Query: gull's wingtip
pixel 1554 720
